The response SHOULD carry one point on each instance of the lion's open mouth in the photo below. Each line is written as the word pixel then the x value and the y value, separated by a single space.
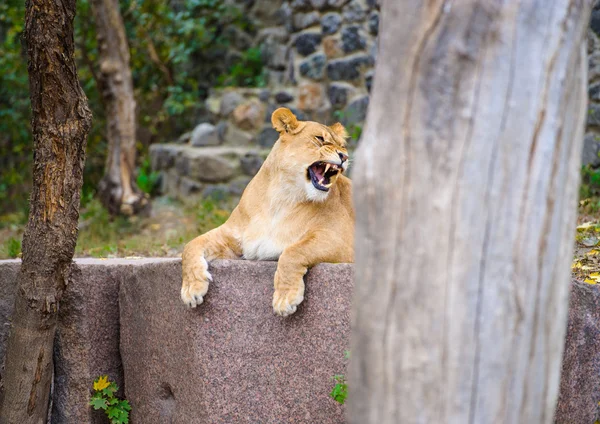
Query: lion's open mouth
pixel 321 173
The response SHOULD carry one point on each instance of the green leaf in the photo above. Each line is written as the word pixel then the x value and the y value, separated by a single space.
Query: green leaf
pixel 98 403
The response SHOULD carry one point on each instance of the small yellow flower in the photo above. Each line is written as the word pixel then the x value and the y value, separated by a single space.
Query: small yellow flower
pixel 102 383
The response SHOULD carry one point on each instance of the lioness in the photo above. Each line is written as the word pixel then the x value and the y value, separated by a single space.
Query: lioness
pixel 298 209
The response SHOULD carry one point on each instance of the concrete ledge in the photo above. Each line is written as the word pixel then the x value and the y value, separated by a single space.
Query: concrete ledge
pixel 229 360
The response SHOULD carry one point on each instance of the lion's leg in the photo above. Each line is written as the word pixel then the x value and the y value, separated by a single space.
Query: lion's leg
pixel 293 264
pixel 219 243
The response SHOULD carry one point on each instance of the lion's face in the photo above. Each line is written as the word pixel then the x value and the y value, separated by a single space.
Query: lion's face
pixel 311 156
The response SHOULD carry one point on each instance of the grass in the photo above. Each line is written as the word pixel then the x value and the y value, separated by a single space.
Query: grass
pixel 164 233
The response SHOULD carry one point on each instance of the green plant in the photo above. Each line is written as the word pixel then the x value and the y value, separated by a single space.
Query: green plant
pixel 248 71
pixel 146 178
pixel 590 182
pixel 117 410
pixel 13 247
pixel 339 393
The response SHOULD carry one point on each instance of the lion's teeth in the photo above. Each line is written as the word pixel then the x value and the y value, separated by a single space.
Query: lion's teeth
pixel 327 185
pixel 327 167
pixel 321 181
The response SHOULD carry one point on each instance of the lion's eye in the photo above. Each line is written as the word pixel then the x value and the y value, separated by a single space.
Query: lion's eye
pixel 321 139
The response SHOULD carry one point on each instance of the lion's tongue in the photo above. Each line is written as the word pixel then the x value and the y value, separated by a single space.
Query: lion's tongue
pixel 319 173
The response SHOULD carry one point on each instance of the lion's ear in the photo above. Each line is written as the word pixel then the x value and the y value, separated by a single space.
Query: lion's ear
pixel 284 120
pixel 339 130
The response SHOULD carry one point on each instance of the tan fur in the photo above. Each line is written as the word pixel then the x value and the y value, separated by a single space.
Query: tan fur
pixel 282 216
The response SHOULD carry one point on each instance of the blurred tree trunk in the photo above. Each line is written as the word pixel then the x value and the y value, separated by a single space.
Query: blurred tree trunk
pixel 117 189
pixel 60 124
pixel 465 236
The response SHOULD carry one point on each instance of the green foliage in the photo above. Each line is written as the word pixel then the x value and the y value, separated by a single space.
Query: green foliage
pixel 13 247
pixel 116 410
pixel 211 213
pixel 339 393
pixel 177 54
pixel 146 179
pixel 247 72
pixel 590 182
pixel 15 114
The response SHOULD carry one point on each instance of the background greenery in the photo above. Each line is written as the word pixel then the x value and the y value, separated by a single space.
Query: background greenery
pixel 178 51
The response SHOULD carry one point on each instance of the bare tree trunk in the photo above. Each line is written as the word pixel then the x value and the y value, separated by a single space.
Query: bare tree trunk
pixel 466 187
pixel 61 120
pixel 117 189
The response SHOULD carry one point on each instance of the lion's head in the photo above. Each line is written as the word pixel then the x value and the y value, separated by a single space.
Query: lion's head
pixel 311 156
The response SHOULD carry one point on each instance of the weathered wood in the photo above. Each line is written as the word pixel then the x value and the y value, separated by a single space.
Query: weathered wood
pixel 117 189
pixel 466 187
pixel 60 122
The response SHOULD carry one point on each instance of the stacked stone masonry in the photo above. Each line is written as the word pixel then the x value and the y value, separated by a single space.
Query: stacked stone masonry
pixel 591 146
pixel 319 57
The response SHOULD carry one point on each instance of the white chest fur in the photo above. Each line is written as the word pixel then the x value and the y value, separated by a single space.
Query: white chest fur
pixel 267 235
pixel 262 249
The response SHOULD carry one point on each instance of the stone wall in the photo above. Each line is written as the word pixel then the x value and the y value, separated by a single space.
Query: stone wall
pixel 591 146
pixel 319 57
pixel 231 360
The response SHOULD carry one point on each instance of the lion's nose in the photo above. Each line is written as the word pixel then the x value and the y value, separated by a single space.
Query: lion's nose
pixel 343 157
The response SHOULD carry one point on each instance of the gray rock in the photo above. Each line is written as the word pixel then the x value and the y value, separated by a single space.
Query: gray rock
pixel 251 163
pixel 591 148
pixel 594 92
pixel 356 111
pixel 348 68
pixel 373 23
pixel 188 187
pixel 278 34
pixel 580 377
pixel 267 137
pixel 373 4
pixel 204 134
pixel 225 191
pixel 354 11
pixel 234 136
pixel 352 39
pixel 338 94
pixel 283 16
pixel 318 4
pixel 331 22
pixel 283 97
pixel 184 138
pixel 205 165
pixel 186 365
pixel 593 116
pixel 304 20
pixel 300 4
pixel 229 101
pixel 306 43
pixel 314 66
pixel 264 96
pixel 593 66
pixel 336 3
pixel 162 156
pixel 595 21
pixel 369 80
pixel 274 54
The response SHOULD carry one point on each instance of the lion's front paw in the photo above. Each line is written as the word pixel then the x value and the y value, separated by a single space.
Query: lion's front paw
pixel 195 282
pixel 285 302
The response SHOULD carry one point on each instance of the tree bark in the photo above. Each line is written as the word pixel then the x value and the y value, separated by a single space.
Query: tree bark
pixel 117 189
pixel 60 123
pixel 465 188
